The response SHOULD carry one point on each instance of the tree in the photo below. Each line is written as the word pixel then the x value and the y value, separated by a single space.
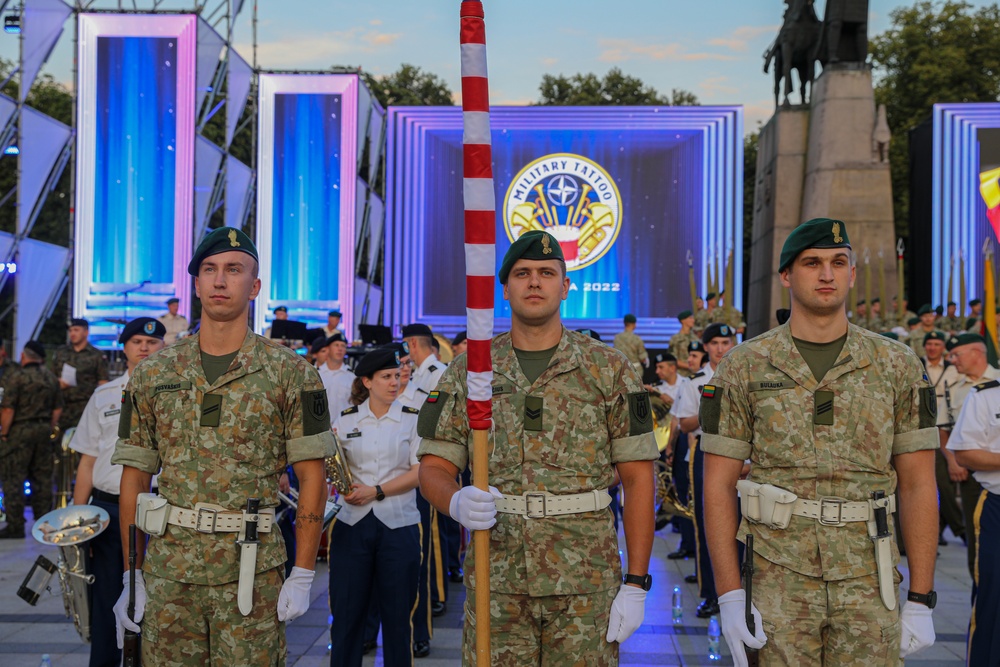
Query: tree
pixel 409 86
pixel 751 144
pixel 616 88
pixel 932 53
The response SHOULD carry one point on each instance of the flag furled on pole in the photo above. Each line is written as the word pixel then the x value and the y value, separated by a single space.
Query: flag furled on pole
pixel 989 188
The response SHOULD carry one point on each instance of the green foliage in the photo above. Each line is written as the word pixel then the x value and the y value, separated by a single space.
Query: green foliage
pixel 409 86
pixel 751 143
pixel 932 53
pixel 616 88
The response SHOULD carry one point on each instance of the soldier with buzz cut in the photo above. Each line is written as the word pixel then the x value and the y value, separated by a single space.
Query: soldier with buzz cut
pixel 571 417
pixel 839 428
pixel 220 415
pixel 29 415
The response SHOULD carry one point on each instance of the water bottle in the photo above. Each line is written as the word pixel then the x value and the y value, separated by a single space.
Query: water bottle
pixel 714 634
pixel 46 661
pixel 678 605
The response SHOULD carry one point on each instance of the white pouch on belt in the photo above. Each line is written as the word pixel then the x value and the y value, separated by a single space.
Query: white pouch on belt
pixel 151 513
pixel 776 505
pixel 749 499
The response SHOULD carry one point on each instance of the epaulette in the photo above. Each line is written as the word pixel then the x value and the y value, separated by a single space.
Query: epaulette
pixel 422 391
pixel 349 411
pixel 431 368
pixel 987 385
pixel 407 410
pixel 698 375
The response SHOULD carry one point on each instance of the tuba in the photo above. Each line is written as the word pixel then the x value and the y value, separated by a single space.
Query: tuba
pixel 338 472
pixel 69 529
pixel 668 504
pixel 65 469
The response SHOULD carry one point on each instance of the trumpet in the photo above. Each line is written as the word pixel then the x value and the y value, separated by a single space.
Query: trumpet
pixel 338 472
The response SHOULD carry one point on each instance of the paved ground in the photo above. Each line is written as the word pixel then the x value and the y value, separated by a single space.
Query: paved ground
pixel 27 632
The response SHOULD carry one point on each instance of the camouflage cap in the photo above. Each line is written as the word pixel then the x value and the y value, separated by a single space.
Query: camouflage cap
pixel 964 339
pixel 535 244
pixel 143 326
pixel 683 315
pixel 379 359
pixel 815 233
pixel 936 335
pixel 219 241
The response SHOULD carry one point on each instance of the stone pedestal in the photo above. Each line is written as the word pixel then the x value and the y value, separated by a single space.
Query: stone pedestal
pixel 821 163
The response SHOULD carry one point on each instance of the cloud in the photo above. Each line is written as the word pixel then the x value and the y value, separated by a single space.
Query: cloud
pixel 740 38
pixel 717 85
pixel 321 49
pixel 620 50
pixel 757 113
pixel 549 62
pixel 375 22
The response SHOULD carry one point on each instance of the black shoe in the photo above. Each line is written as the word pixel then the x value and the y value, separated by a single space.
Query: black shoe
pixel 437 609
pixel 691 579
pixel 455 576
pixel 680 553
pixel 707 608
pixel 9 533
pixel 369 646
pixel 421 649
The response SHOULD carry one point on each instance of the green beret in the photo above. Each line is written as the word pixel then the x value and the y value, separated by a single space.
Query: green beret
pixel 683 315
pixel 630 319
pixel 939 310
pixel 913 320
pixel 924 309
pixel 221 240
pixel 891 335
pixel 876 300
pixel 710 296
pixel 936 335
pixel 815 233
pixel 964 339
pixel 535 244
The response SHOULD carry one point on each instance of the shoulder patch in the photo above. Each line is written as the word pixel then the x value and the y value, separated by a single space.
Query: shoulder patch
pixel 432 368
pixel 928 407
pixel 640 413
pixel 315 412
pixel 125 419
pixel 987 385
pixel 430 414
pixel 351 410
pixel 407 410
pixel 710 408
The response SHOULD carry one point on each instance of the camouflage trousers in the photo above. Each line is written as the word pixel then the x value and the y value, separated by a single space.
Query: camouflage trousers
pixel 809 621
pixel 553 631
pixel 29 455
pixel 191 624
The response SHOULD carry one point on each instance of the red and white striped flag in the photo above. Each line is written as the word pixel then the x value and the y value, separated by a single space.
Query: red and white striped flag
pixel 480 214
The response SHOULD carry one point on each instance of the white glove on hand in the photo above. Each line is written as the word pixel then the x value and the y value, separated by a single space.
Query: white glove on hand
pixel 627 612
pixel 293 600
pixel 918 628
pixel 122 621
pixel 474 508
pixel 732 618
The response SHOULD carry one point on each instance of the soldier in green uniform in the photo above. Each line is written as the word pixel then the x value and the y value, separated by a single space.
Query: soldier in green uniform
pixel 950 322
pixel 29 415
pixel 874 322
pixel 90 369
pixel 927 317
pixel 975 316
pixel 569 413
pixel 679 342
pixel 628 343
pixel 831 417
pixel 223 412
pixel 706 316
pixel 860 316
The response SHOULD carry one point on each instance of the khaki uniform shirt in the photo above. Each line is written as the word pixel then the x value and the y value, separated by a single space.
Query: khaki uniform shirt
pixel 175 324
pixel 629 344
pixel 762 406
pixel 956 391
pixel 916 340
pixel 273 412
pixel 594 413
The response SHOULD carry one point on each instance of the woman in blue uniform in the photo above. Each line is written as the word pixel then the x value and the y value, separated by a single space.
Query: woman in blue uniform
pixel 375 540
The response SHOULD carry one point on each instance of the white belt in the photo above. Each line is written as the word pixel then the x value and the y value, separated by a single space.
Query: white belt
pixel 206 518
pixel 832 511
pixel 540 504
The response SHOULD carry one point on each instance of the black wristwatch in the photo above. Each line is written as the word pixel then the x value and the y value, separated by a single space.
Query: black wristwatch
pixel 929 599
pixel 379 494
pixel 645 581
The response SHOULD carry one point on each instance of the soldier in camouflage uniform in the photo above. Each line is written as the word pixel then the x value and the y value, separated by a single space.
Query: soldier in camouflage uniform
pixel 223 412
pixel 91 371
pixel 927 318
pixel 680 341
pixel 708 315
pixel 29 414
pixel 628 343
pixel 950 322
pixel 975 318
pixel 831 414
pixel 874 321
pixel 569 411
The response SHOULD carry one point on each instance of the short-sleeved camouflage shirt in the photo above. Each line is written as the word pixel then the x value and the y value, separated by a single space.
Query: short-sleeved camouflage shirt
pixel 833 438
pixel 220 443
pixel 562 434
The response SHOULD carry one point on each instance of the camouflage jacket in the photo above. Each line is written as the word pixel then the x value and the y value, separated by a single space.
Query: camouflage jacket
pixel 678 345
pixel 703 318
pixel 32 393
pixel 916 340
pixel 91 368
pixel 765 405
pixel 629 344
pixel 271 410
pixel 594 413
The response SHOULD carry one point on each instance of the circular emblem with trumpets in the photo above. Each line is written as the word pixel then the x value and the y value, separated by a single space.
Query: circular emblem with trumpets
pixel 571 197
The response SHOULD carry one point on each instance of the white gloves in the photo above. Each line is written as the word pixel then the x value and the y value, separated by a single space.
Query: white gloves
pixel 474 508
pixel 918 628
pixel 626 613
pixel 122 621
pixel 732 617
pixel 293 600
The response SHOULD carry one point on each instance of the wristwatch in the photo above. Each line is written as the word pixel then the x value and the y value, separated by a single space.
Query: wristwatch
pixel 645 581
pixel 929 599
pixel 379 494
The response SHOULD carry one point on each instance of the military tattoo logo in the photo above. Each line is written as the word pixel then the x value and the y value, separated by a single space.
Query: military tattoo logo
pixel 571 197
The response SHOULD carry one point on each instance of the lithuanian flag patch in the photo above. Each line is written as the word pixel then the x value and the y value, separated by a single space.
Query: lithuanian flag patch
pixel 708 391
pixel 433 396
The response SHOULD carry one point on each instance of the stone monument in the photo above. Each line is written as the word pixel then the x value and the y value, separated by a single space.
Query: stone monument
pixel 827 157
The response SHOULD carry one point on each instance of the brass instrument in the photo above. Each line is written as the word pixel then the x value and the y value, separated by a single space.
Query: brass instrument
pixel 338 472
pixel 668 504
pixel 65 469
pixel 69 529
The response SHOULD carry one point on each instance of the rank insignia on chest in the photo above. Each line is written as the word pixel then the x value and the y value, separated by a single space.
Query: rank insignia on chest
pixel 433 397
pixel 708 391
